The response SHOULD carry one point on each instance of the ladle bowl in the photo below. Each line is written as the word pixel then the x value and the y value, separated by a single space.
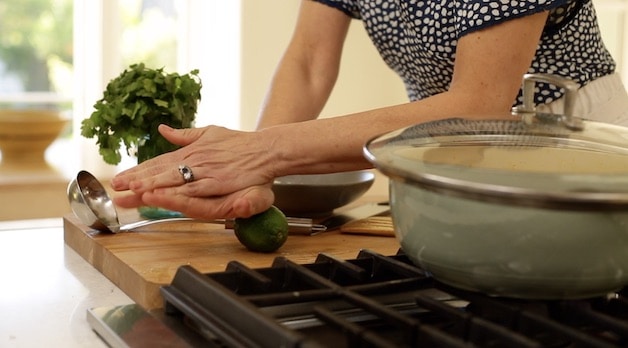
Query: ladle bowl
pixel 91 203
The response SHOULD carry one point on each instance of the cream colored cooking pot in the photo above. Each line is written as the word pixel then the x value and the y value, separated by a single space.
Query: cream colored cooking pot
pixel 531 206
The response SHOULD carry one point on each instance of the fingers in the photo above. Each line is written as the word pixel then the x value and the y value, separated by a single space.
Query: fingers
pixel 172 183
pixel 139 179
pixel 128 201
pixel 171 177
pixel 162 171
pixel 156 172
pixel 244 203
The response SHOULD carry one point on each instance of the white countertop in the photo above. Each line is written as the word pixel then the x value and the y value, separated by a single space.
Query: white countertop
pixel 46 288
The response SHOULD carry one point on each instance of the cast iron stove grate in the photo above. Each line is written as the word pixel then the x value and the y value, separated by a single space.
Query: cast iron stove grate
pixel 378 301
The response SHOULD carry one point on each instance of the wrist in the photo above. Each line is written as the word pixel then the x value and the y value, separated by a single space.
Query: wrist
pixel 285 149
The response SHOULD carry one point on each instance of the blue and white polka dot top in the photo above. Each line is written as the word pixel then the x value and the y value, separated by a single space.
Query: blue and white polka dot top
pixel 417 39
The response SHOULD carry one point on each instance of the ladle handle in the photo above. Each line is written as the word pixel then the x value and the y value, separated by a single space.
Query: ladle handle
pixel 295 225
pixel 133 225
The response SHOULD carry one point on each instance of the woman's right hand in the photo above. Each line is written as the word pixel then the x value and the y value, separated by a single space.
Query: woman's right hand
pixel 233 174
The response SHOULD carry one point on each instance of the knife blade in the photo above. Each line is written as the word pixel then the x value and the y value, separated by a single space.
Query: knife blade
pixel 358 213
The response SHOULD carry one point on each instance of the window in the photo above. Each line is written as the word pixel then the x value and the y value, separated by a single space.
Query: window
pixel 34 68
pixel 65 54
pixel 179 35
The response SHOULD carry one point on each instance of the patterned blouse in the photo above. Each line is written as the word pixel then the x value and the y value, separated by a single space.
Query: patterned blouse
pixel 418 39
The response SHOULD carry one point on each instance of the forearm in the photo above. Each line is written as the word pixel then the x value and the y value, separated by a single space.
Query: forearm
pixel 336 144
pixel 308 69
pixel 297 93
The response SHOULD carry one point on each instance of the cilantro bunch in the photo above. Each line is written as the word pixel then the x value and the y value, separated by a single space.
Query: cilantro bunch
pixel 134 104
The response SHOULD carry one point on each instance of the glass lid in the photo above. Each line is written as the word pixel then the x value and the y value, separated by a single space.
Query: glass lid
pixel 530 160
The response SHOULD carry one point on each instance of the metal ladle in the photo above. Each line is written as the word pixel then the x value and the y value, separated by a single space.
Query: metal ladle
pixel 91 203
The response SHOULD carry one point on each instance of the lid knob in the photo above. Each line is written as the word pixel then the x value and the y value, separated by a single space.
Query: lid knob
pixel 571 88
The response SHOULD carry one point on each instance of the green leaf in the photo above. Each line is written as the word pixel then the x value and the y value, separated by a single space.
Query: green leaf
pixel 135 103
pixel 161 103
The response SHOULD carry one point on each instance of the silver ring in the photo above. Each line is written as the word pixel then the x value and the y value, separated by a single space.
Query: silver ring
pixel 186 173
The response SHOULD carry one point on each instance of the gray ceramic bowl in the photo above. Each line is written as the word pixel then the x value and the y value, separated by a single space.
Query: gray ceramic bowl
pixel 319 194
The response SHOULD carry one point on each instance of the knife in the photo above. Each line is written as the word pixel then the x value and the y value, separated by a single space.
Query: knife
pixel 358 213
pixel 296 225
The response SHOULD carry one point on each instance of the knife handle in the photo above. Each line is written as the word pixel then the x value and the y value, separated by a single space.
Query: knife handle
pixel 296 225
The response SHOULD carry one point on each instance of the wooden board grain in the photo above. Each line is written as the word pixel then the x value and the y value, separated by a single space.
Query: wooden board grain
pixel 374 225
pixel 140 262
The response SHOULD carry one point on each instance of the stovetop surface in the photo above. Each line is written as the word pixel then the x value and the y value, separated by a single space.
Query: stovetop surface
pixel 370 301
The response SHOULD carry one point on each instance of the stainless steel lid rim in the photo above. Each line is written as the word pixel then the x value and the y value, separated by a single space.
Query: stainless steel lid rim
pixel 574 191
pixel 461 127
pixel 506 141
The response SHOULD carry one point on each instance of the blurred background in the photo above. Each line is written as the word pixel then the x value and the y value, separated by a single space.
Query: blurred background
pixel 60 55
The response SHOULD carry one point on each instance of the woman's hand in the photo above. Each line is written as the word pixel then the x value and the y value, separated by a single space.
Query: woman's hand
pixel 231 169
pixel 243 203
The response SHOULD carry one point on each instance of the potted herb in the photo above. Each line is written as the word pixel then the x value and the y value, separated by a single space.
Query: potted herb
pixel 134 104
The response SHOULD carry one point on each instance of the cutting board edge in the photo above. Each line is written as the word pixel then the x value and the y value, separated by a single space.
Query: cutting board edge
pixel 144 292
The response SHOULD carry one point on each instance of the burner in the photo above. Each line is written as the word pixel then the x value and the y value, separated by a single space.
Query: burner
pixel 378 301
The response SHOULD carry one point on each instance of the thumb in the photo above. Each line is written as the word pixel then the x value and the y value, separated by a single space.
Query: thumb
pixel 181 137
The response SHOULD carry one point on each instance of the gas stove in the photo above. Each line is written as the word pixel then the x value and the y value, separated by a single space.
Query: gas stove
pixel 370 301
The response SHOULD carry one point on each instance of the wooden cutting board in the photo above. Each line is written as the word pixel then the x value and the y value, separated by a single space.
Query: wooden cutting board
pixel 373 226
pixel 140 262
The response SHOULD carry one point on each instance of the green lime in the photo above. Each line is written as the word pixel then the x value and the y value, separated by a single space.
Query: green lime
pixel 263 232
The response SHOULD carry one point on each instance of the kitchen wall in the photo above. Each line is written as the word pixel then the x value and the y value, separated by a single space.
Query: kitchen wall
pixel 613 19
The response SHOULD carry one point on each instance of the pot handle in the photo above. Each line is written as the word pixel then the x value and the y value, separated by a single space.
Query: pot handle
pixel 570 87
